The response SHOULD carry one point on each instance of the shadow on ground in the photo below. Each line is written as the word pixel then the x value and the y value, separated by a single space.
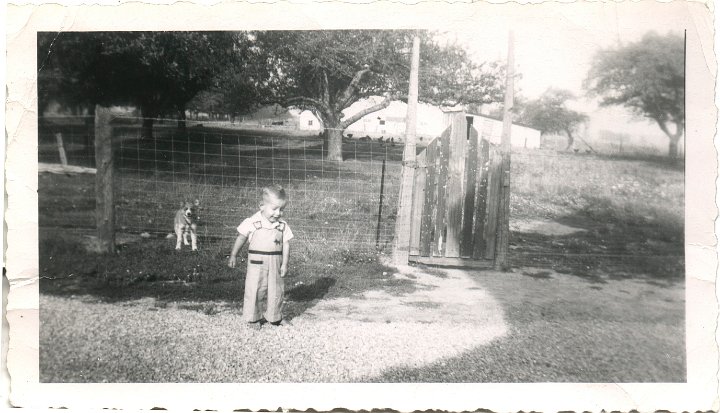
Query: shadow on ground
pixel 316 290
pixel 606 244
pixel 661 162
pixel 564 330
pixel 201 280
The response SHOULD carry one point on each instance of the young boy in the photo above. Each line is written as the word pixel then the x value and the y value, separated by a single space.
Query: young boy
pixel 268 252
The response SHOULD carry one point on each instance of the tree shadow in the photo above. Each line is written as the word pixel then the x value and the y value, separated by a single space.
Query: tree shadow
pixel 199 281
pixel 662 162
pixel 608 244
pixel 308 292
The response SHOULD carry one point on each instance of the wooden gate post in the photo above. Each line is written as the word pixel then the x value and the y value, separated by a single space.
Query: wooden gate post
pixel 104 202
pixel 503 234
pixel 401 243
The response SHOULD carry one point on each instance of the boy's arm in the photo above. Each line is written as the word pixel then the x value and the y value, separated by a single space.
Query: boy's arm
pixel 239 242
pixel 285 258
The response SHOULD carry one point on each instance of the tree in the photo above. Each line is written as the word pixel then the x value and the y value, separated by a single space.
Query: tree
pixel 67 63
pixel 327 71
pixel 648 77
pixel 157 71
pixel 236 86
pixel 497 110
pixel 550 114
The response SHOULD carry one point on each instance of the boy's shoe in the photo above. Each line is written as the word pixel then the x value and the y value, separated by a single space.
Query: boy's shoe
pixel 256 325
pixel 282 322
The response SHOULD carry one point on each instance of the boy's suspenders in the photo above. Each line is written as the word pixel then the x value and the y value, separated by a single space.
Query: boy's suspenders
pixel 280 227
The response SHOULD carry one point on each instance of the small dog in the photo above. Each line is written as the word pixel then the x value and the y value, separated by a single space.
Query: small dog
pixel 186 220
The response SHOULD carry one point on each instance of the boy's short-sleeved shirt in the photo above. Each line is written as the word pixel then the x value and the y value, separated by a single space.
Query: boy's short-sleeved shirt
pixel 247 227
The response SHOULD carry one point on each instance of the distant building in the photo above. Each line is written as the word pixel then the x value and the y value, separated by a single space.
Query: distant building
pixel 432 121
pixel 520 136
pixel 278 117
pixel 390 122
pixel 306 120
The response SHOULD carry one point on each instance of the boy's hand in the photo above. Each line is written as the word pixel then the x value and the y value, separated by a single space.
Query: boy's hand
pixel 232 262
pixel 283 270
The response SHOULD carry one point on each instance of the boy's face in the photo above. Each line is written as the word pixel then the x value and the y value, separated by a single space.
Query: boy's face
pixel 272 208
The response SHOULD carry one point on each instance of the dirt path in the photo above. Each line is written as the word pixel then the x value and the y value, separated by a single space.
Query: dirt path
pixel 339 340
pixel 447 296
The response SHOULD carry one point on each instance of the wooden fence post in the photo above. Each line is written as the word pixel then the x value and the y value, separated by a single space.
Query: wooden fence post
pixel 104 202
pixel 401 243
pixel 380 204
pixel 503 234
pixel 61 149
pixel 418 203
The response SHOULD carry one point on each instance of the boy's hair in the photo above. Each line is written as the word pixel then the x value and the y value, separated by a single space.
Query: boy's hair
pixel 275 191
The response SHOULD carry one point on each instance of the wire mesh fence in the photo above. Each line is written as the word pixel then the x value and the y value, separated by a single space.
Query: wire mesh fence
pixel 73 137
pixel 332 204
pixel 583 213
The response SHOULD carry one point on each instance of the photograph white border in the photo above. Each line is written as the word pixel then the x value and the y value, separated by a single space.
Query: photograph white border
pixel 699 393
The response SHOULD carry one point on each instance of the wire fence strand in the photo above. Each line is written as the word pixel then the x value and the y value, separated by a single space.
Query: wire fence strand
pixel 621 209
pixel 331 203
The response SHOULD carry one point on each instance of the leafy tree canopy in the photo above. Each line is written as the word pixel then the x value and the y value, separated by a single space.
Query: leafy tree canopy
pixel 327 71
pixel 550 114
pixel 648 77
pixel 322 71
pixel 157 71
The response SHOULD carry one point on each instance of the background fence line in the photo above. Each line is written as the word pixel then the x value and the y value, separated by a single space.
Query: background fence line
pixel 331 204
pixel 628 210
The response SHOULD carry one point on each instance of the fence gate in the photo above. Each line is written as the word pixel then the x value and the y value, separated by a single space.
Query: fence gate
pixel 456 198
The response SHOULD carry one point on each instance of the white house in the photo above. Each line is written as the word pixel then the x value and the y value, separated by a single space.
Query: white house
pixel 278 117
pixel 390 122
pixel 306 120
pixel 432 121
pixel 520 136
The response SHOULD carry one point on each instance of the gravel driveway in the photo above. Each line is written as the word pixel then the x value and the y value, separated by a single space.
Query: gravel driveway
pixel 346 339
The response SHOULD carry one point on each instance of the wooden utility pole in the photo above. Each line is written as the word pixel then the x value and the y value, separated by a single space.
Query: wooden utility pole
pixel 401 243
pixel 503 234
pixel 104 199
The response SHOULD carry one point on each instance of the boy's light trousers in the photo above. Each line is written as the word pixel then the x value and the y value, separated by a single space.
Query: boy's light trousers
pixel 264 288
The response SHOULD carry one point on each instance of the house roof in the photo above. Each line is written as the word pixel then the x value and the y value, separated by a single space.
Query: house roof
pixel 500 120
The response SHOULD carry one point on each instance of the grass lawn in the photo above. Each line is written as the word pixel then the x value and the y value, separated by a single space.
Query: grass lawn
pixel 630 211
pixel 603 303
pixel 153 269
pixel 333 211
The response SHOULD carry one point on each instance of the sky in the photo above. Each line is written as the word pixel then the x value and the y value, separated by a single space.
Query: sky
pixel 555 44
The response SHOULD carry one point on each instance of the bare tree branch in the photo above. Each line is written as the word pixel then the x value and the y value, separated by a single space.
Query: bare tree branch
pixel 356 117
pixel 344 99
pixel 326 89
pixel 305 102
